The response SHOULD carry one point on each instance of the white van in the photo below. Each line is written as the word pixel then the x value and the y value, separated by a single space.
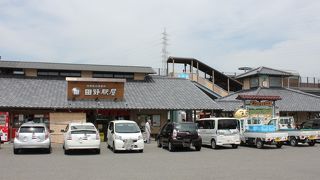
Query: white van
pixel 124 135
pixel 219 131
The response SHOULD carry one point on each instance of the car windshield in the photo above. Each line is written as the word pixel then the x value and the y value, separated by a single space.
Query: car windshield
pixel 190 127
pixel 126 128
pixel 31 129
pixel 88 127
pixel 227 124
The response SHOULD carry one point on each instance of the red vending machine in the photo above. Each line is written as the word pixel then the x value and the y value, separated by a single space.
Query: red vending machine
pixel 4 126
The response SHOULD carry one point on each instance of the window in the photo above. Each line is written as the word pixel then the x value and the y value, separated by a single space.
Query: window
pixel 275 81
pixel 254 82
pixel 228 124
pixel 186 127
pixel 102 75
pixel 127 128
pixel 70 74
pixel 27 129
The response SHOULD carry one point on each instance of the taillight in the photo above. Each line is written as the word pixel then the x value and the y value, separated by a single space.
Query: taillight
pixel 47 135
pixel 69 137
pixel 174 134
pixel 97 136
pixel 17 135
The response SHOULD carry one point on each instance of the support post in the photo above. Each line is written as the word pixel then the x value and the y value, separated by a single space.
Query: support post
pixel 213 80
pixel 197 71
pixel 228 85
pixel 194 115
pixel 173 68
pixel 191 70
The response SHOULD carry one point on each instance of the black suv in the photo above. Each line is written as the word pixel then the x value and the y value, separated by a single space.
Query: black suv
pixel 173 135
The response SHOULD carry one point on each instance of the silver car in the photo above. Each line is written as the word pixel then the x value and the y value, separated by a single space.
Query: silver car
pixel 32 136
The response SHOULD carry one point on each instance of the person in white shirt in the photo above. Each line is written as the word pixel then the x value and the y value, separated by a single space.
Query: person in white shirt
pixel 148 130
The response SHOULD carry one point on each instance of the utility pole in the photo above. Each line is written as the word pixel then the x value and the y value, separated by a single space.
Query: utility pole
pixel 164 52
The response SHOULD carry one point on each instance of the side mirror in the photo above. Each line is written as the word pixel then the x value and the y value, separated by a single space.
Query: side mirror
pixel 62 130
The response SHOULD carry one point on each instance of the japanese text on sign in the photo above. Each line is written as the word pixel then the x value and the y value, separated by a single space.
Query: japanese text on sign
pixel 96 92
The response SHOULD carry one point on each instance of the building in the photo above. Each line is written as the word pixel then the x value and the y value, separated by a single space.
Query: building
pixel 59 93
pixel 264 81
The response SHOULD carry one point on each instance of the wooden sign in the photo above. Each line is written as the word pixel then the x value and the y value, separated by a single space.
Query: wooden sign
pixel 95 88
pixel 260 103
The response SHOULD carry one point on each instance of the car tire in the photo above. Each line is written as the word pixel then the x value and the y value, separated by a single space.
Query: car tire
pixel 293 141
pixel 234 146
pixel 198 148
pixel 48 150
pixel 66 152
pixel 159 143
pixel 97 151
pixel 170 147
pixel 141 151
pixel 16 151
pixel 279 145
pixel 312 143
pixel 214 144
pixel 114 148
pixel 259 144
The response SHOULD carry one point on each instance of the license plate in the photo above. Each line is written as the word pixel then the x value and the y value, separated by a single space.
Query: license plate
pixel 312 137
pixel 278 139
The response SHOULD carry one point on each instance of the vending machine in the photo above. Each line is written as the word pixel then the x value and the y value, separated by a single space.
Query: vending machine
pixel 4 126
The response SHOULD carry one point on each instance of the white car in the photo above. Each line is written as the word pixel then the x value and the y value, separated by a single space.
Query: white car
pixel 81 136
pixel 124 135
pixel 32 135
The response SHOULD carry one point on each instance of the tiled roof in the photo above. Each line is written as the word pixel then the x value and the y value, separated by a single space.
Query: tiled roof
pixel 158 93
pixel 263 71
pixel 75 67
pixel 292 100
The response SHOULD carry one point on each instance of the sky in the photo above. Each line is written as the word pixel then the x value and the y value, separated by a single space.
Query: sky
pixel 225 34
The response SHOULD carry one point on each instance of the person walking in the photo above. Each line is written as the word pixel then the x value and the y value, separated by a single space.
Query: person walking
pixel 148 130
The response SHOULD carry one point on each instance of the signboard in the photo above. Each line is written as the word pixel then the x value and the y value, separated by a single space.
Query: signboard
pixel 95 88
pixel 260 103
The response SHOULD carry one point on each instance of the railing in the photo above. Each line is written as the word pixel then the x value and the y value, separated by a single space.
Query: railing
pixel 203 81
pixel 302 82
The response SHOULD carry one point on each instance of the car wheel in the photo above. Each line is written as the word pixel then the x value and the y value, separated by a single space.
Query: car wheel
pixel 66 152
pixel 312 143
pixel 198 148
pixel 234 146
pixel 293 141
pixel 213 144
pixel 259 144
pixel 170 147
pixel 159 143
pixel 141 151
pixel 279 145
pixel 16 151
pixel 48 151
pixel 114 148
pixel 97 151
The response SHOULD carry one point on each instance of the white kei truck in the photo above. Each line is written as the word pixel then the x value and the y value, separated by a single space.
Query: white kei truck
pixel 262 136
pixel 295 136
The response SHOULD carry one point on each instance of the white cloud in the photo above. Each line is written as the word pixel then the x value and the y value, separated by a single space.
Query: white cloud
pixel 224 34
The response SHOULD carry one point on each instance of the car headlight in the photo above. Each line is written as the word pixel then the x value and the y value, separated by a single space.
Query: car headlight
pixel 140 137
pixel 117 137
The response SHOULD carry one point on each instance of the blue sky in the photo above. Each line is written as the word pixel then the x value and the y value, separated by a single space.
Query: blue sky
pixel 223 34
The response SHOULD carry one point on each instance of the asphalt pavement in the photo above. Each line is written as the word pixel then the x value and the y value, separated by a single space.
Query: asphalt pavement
pixel 154 163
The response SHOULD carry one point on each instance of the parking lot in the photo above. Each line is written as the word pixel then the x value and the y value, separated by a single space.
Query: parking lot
pixel 301 162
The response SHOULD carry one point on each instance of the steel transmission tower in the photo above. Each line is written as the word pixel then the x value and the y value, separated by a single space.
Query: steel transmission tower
pixel 164 52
